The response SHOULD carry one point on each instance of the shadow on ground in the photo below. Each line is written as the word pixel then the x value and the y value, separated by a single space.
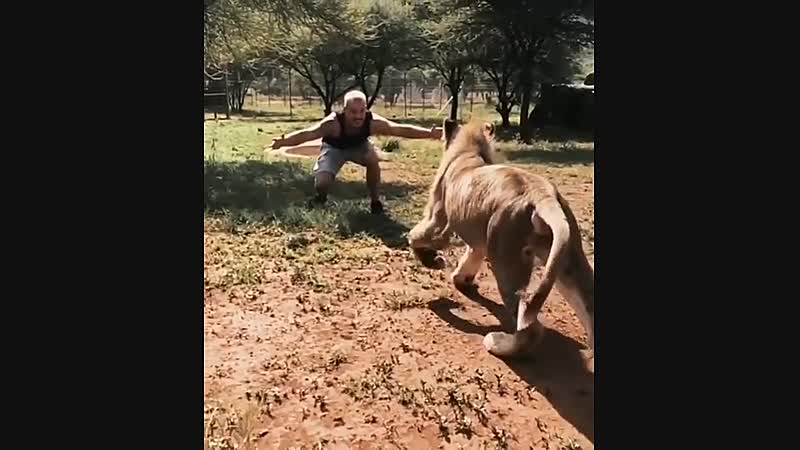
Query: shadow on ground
pixel 558 371
pixel 549 133
pixel 276 192
pixel 566 156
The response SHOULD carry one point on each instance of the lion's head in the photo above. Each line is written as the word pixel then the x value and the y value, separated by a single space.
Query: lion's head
pixel 474 136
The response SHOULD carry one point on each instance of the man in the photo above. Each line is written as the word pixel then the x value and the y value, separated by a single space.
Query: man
pixel 345 138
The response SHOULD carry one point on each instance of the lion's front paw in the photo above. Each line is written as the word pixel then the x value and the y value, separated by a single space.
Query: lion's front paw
pixel 430 258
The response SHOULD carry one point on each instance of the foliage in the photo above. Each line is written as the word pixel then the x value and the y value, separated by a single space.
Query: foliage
pixel 336 45
pixel 321 56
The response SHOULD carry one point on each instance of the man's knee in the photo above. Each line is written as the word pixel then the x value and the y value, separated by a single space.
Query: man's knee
pixel 372 162
pixel 373 168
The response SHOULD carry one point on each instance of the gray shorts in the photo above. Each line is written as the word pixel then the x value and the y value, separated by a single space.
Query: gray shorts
pixel 331 159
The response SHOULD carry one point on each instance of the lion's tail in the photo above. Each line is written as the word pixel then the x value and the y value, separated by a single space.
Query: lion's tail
pixel 551 212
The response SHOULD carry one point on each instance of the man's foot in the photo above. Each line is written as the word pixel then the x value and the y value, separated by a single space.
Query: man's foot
pixel 317 200
pixel 376 207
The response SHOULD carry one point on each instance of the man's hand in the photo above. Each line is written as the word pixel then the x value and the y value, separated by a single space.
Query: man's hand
pixel 436 132
pixel 277 142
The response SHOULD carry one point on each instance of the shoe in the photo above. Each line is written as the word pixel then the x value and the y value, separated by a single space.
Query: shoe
pixel 376 207
pixel 317 200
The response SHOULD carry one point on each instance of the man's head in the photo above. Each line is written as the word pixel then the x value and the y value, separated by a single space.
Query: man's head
pixel 355 108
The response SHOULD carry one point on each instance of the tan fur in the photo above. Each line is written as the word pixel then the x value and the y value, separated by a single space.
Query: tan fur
pixel 512 217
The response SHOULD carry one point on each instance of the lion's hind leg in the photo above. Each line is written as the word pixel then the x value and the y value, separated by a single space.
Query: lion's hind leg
pixel 524 340
pixel 510 244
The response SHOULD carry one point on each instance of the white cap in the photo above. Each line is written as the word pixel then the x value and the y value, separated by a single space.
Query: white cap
pixel 352 95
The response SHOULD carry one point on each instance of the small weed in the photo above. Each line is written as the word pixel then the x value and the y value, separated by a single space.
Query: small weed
pixel 385 367
pixel 479 380
pixel 369 384
pixel 478 406
pixel 427 393
pixel 229 429
pixel 464 426
pixel 501 437
pixel 570 445
pixel 295 242
pixel 395 301
pixel 336 359
pixel 266 399
pixel 304 275
pixel 444 429
pixel 326 309
pixel 446 375
pixel 405 347
pixel 391 145
pixel 322 401
pixel 324 254
pixel 407 398
pixel 502 390
pixel 456 400
pixel 246 274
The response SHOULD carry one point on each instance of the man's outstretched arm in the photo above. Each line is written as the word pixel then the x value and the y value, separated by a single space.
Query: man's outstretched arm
pixel 386 127
pixel 316 131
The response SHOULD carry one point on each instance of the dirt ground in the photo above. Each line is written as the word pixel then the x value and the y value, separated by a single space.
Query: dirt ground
pixel 320 343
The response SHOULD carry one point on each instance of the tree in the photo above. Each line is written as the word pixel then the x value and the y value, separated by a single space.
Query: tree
pixel 321 56
pixel 394 39
pixel 393 86
pixel 228 22
pixel 238 35
pixel 493 55
pixel 531 30
pixel 449 54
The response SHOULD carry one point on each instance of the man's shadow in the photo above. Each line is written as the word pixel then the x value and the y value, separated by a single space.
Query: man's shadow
pixel 558 370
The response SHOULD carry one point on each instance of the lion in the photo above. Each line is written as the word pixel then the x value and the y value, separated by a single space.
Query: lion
pixel 513 218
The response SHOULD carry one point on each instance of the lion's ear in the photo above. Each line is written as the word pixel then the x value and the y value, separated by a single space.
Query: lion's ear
pixel 488 130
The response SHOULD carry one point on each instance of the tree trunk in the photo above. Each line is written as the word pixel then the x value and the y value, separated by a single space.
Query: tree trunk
pixel 454 86
pixel 377 89
pixel 505 111
pixel 524 129
pixel 243 87
pixel 328 98
pixel 505 104
pixel 454 104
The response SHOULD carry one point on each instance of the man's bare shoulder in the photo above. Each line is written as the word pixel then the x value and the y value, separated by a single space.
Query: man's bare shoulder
pixel 378 117
pixel 329 125
pixel 380 124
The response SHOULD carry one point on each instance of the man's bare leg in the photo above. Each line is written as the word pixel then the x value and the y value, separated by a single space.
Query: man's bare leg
pixel 322 184
pixel 371 162
pixel 373 179
pixel 329 162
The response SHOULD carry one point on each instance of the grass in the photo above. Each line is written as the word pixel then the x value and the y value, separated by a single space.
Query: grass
pixel 258 235
pixel 247 186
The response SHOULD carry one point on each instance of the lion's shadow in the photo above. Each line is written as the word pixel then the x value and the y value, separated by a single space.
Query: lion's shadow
pixel 558 371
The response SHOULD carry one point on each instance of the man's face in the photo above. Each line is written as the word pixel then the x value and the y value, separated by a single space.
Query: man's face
pixel 354 113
